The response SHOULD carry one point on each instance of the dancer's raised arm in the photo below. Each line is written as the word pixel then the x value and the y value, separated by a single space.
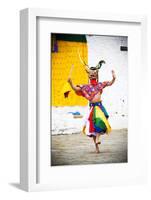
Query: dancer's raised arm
pixel 75 88
pixel 113 78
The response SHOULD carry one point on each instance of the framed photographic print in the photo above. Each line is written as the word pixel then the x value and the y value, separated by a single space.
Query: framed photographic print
pixel 81 112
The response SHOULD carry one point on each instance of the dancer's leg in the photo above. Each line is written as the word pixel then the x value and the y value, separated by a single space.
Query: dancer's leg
pixel 98 140
pixel 96 144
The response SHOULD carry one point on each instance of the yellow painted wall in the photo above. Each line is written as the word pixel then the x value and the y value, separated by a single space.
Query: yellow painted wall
pixel 61 63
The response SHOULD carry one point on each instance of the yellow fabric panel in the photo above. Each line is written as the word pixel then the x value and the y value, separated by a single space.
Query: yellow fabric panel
pixel 61 63
pixel 99 113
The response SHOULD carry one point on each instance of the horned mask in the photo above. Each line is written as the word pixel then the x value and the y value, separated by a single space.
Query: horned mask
pixel 92 71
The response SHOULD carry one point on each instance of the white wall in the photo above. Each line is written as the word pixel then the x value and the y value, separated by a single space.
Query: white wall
pixel 9 107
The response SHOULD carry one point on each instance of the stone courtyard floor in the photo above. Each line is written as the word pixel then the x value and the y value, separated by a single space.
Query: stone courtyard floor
pixel 78 149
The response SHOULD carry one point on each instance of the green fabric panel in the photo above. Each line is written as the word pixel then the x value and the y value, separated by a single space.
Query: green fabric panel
pixel 71 37
pixel 94 114
pixel 98 121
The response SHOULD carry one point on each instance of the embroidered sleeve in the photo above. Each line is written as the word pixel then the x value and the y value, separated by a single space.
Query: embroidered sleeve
pixel 85 91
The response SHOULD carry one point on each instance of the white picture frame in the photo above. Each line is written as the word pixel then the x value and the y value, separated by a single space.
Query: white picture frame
pixel 29 147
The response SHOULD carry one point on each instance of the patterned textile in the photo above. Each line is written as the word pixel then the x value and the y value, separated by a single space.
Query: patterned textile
pixel 89 91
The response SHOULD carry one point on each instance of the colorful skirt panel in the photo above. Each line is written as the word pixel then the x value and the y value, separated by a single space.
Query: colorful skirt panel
pixel 98 119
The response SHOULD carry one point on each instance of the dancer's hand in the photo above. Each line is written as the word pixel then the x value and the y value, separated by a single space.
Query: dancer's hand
pixel 69 80
pixel 113 74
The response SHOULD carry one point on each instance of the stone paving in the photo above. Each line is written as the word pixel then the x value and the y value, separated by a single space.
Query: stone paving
pixel 78 149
